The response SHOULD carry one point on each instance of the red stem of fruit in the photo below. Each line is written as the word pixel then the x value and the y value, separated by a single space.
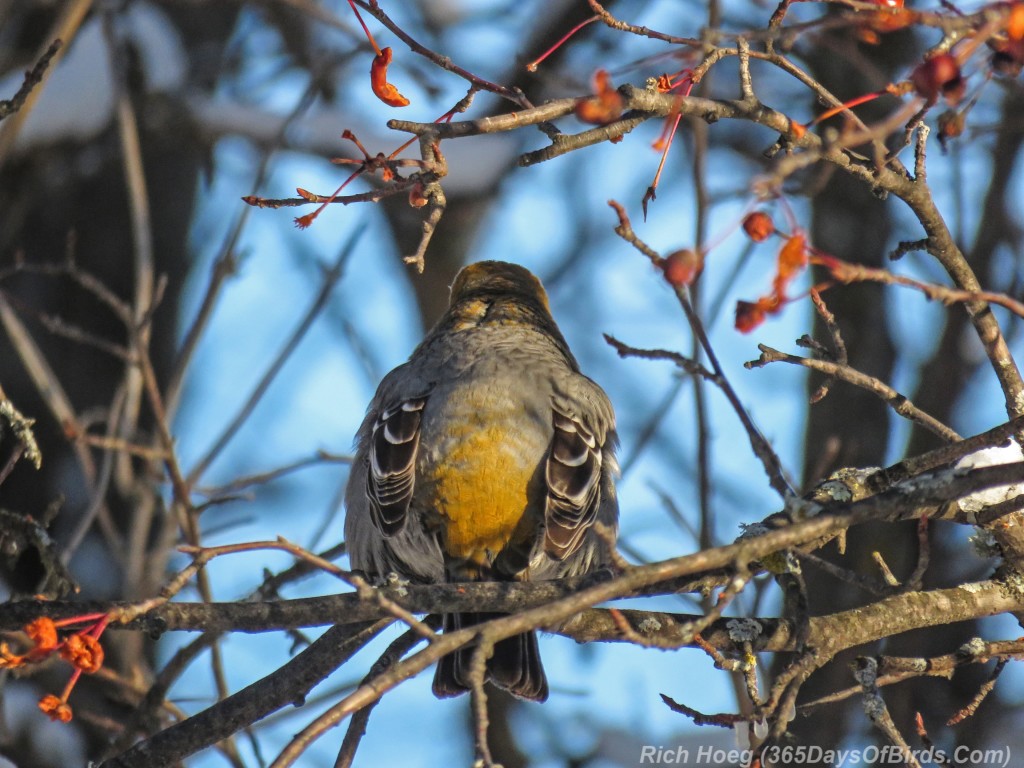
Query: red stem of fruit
pixel 366 29
pixel 532 66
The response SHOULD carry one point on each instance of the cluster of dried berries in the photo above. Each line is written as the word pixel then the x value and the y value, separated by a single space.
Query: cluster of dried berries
pixel 81 649
pixel 940 75
pixel 793 257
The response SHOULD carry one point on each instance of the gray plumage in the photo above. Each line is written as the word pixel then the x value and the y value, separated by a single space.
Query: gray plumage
pixel 487 455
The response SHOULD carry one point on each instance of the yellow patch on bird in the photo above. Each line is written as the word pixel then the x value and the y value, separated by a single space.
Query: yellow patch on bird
pixel 482 492
pixel 469 315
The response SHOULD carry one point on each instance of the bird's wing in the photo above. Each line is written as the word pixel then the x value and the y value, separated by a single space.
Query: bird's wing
pixel 581 449
pixel 394 440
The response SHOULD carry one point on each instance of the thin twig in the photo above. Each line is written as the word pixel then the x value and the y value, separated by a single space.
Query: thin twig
pixel 979 697
pixel 444 62
pixel 478 702
pixel 899 403
pixel 330 279
pixel 838 345
pixel 67 267
pixel 844 574
pixel 21 427
pixel 47 383
pixel 98 500
pixel 887 575
pixel 866 673
pixel 262 478
pixel 847 272
pixel 65 28
pixel 59 327
pixel 916 578
pixel 761 447
pixel 203 555
pixel 722 720
pixel 33 77
pixel 226 263
pixel 357 725
pixel 143 260
pixel 896 669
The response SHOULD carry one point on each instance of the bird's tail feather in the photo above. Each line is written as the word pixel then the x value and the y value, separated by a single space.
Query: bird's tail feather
pixel 514 666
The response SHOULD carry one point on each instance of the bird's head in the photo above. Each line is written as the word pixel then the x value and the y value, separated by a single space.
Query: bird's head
pixel 490 278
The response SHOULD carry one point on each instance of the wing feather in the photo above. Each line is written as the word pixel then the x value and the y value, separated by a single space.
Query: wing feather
pixel 573 474
pixel 394 441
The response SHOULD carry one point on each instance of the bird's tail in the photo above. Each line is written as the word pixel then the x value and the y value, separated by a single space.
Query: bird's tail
pixel 514 665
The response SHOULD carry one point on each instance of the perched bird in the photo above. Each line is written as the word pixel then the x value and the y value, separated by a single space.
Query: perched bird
pixel 486 456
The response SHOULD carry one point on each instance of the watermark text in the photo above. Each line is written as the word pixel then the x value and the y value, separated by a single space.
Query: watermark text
pixel 992 757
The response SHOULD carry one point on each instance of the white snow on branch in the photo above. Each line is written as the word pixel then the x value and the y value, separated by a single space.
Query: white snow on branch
pixel 989 457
